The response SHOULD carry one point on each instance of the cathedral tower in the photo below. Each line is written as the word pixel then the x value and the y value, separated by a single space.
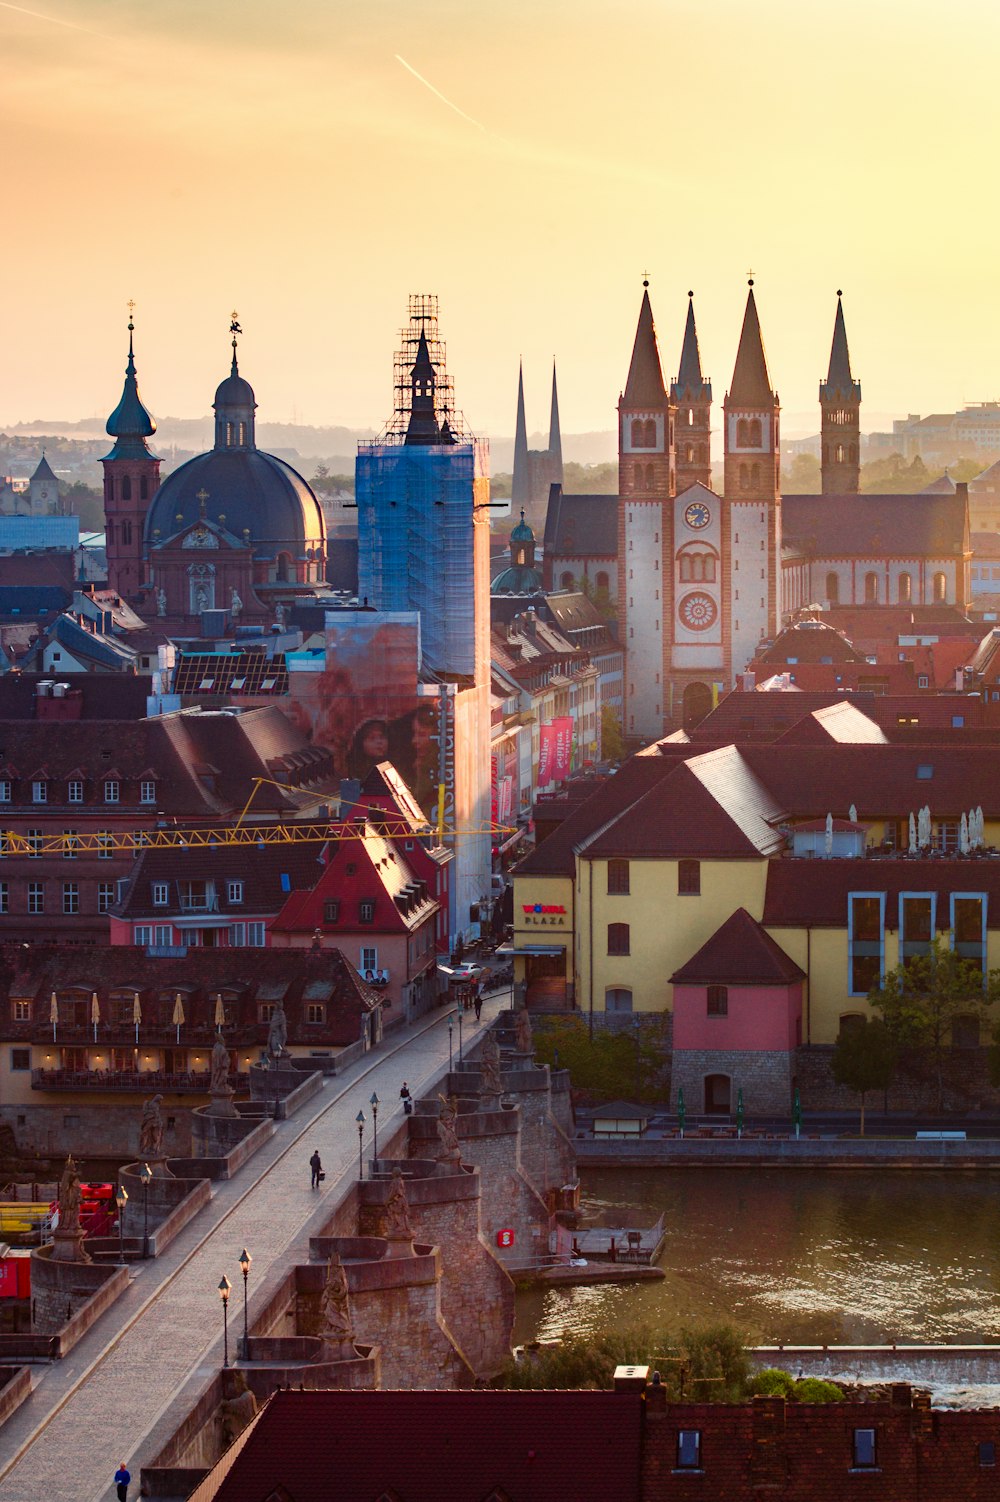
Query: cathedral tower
pixel 131 479
pixel 752 495
pixel 840 406
pixel 646 483
pixel 692 396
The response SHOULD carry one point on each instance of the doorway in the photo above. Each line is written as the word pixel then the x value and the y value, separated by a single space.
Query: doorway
pixel 697 703
pixel 718 1094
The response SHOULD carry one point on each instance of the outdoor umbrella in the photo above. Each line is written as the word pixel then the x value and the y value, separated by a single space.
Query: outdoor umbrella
pixel 828 842
pixel 739 1111
pixel 852 813
pixel 913 835
pixel 53 1014
pixel 178 1016
pixel 220 1011
pixel 980 826
pixel 963 835
pixel 95 1012
pixel 680 1109
pixel 797 1112
pixel 136 1014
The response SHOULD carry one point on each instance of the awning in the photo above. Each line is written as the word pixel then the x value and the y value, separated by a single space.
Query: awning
pixel 512 840
pixel 541 949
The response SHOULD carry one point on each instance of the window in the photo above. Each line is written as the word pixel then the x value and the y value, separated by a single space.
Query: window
pixel 163 935
pixel 126 488
pixel 191 938
pixel 105 895
pixel 688 1449
pixel 255 935
pixel 147 792
pixel 315 1011
pixel 618 999
pixel 20 1059
pixel 71 844
pixel 366 911
pixel 237 935
pixel 234 891
pixel 905 586
pixel 39 792
pixel 940 588
pixel 142 935
pixel 987 1451
pixel 4 897
pixel 34 844
pixel 105 845
pixel 112 790
pixel 369 960
pixel 36 897
pixel 968 926
pixel 618 938
pixel 618 875
pixel 718 1001
pixel 866 932
pixel 71 897
pixel 916 924
pixel 864 1450
pixel 6 789
pixel 331 911
pixel 871 589
pixel 21 1011
pixel 161 893
pixel 689 878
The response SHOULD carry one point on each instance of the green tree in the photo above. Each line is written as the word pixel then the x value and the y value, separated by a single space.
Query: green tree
pixel 865 1059
pixel 923 998
pixel 85 502
pixel 894 476
pixel 802 476
pixel 612 744
pixel 627 1064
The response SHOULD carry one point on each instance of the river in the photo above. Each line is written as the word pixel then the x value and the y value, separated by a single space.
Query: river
pixel 810 1257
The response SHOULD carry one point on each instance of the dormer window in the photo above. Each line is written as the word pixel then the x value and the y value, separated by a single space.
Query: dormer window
pixel 366 911
pixel 6 790
pixel 234 891
pixel 112 790
pixel 74 790
pixel 39 792
pixel 147 792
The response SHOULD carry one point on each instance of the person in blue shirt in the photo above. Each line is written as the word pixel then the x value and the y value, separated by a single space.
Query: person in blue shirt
pixel 122 1479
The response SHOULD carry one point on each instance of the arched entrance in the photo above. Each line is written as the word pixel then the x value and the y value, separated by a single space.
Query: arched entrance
pixel 697 703
pixel 718 1094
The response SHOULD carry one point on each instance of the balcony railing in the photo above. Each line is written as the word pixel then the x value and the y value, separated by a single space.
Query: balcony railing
pixel 208 902
pixel 140 1081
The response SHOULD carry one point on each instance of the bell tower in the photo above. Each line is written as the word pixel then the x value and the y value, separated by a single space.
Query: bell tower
pixel 840 407
pixel 691 393
pixel 131 479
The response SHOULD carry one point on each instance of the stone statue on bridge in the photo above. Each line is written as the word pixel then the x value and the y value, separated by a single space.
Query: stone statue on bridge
pixel 336 1327
pixel 396 1225
pixel 522 1031
pixel 70 1197
pixel 220 1067
pixel 490 1081
pixel 277 1035
pixel 450 1151
pixel 151 1130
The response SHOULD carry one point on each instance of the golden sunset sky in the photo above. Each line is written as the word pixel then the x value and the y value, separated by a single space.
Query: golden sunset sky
pixel 279 157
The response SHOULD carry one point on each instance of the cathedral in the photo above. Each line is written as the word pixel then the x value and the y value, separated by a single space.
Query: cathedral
pixel 703 578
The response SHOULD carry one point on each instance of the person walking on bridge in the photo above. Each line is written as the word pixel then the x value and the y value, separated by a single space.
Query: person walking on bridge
pixel 317 1169
pixel 122 1479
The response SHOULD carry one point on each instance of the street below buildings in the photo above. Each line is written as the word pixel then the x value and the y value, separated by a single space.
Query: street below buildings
pixel 123 1390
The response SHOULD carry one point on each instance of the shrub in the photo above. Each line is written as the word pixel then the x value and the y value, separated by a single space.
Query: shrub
pixel 815 1390
pixel 707 1365
pixel 772 1382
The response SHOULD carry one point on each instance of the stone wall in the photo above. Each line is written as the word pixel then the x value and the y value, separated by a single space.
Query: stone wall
pixel 967 1085
pixel 765 1078
pixel 109 1130
pixel 67 1297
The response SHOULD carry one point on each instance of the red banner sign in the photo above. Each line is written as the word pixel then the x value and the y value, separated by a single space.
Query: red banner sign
pixel 563 752
pixel 546 754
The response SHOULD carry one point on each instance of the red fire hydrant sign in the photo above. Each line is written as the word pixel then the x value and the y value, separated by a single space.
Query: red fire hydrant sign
pixel 505 1237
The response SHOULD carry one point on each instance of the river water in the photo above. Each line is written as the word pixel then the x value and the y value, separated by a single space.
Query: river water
pixel 821 1257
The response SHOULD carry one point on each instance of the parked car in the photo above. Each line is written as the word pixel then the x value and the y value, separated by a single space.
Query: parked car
pixel 465 970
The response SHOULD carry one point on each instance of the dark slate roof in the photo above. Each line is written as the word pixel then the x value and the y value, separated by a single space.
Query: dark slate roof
pixel 554 856
pixel 438 1447
pixel 130 424
pixel 751 384
pixel 28 602
pixel 268 873
pixel 689 376
pixel 839 377
pixel 518 579
pixel 44 471
pixel 739 953
pixel 581 525
pixel 877 526
pixel 810 641
pixel 879 780
pixel 644 387
pixel 251 489
pixel 101 696
pixel 815 892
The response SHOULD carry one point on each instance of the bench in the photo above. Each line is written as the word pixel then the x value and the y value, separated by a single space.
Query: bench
pixel 940 1136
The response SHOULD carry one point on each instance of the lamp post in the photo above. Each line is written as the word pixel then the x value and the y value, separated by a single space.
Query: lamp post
pixel 360 1119
pixel 145 1174
pixel 245 1261
pixel 121 1200
pixel 450 1025
pixel 374 1102
pixel 459 1016
pixel 225 1288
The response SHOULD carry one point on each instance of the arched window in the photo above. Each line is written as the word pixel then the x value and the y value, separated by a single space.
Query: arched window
pixel 144 488
pixel 744 477
pixel 940 587
pixel 230 434
pixel 833 589
pixel 650 481
pixel 243 435
pixel 742 433
pixel 755 438
pixel 566 580
pixel 618 938
pixel 618 999
pixel 871 589
pixel 755 475
pixel 650 433
pixel 126 488
pixel 689 452
pixel 838 453
pixel 637 431
pixel 602 581
pixel 126 533
pixel 905 587
pixel 851 1021
pixel 639 482
pixel 109 532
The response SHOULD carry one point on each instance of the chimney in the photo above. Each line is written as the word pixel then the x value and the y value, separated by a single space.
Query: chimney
pixel 962 491
pixel 631 1378
pixel 768 1463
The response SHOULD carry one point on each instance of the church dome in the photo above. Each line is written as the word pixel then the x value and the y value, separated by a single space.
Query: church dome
pixel 517 580
pixel 253 491
pixel 234 391
pixel 522 532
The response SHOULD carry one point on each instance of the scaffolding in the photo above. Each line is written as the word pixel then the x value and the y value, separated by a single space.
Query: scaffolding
pixel 423 319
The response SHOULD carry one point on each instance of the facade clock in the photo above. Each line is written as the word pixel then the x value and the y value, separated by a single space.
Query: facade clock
pixel 697 515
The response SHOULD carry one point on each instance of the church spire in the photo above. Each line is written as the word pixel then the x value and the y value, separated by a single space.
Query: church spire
pixel 693 397
pixel 689 371
pixel 422 427
pixel 130 424
pixel 751 386
pixel 520 485
pixel 839 376
pixel 644 387
pixel 840 412
pixel 555 438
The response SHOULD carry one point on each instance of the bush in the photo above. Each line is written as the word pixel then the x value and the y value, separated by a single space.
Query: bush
pixel 772 1382
pixel 629 1065
pixel 815 1390
pixel 707 1365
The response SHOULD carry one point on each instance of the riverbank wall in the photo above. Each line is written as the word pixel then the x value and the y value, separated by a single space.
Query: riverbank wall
pixel 787 1152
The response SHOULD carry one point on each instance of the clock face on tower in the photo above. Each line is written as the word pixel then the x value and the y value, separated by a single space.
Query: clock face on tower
pixel 697 515
pixel 697 611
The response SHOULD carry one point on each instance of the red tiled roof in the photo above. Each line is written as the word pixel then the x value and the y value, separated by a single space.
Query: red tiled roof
pixel 814 892
pixel 554 857
pixel 892 780
pixel 739 953
pixel 843 723
pixel 436 1447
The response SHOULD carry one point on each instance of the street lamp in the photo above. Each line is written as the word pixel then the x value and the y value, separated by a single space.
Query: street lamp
pixel 374 1102
pixel 145 1174
pixel 450 1025
pixel 245 1261
pixel 225 1288
pixel 121 1200
pixel 458 1014
pixel 360 1119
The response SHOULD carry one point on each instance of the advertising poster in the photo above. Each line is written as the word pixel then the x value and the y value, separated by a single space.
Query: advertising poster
pixel 546 754
pixel 563 749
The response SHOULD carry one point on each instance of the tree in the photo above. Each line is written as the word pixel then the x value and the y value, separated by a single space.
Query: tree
pixel 923 998
pixel 802 477
pixel 85 502
pixel 865 1059
pixel 612 745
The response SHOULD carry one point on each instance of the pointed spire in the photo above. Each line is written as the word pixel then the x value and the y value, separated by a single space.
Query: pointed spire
pixel 520 484
pixel 751 386
pixel 644 387
pixel 839 377
pixel 555 438
pixel 422 427
pixel 130 424
pixel 234 329
pixel 689 372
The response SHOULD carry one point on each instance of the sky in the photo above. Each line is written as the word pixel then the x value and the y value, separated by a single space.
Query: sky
pixel 312 162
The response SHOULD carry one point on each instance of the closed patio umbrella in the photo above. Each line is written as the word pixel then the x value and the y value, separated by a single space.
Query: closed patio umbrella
pixel 95 1012
pixel 828 839
pixel 53 1014
pixel 136 1014
pixel 797 1112
pixel 852 813
pixel 739 1112
pixel 913 835
pixel 220 1011
pixel 963 835
pixel 178 1016
pixel 681 1113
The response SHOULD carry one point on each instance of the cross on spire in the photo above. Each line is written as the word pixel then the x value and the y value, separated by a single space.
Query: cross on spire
pixel 202 499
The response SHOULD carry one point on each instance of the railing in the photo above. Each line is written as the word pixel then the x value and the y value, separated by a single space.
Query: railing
pixel 195 1083
pixel 207 904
